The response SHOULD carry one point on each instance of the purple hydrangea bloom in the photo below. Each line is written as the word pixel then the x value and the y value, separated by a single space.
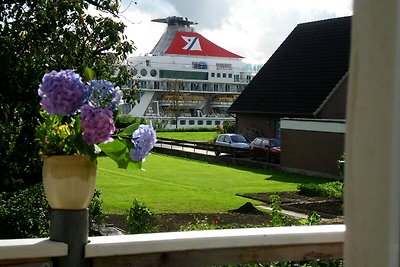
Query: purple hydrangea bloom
pixel 62 93
pixel 143 139
pixel 97 124
pixel 104 94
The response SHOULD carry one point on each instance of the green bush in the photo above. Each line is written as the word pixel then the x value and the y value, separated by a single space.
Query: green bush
pixel 203 224
pixel 124 121
pixel 96 215
pixel 332 189
pixel 140 218
pixel 25 213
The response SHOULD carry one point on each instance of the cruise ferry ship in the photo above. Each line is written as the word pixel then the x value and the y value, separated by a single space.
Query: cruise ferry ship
pixel 187 80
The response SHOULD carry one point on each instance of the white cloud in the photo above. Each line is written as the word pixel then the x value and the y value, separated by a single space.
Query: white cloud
pixel 251 28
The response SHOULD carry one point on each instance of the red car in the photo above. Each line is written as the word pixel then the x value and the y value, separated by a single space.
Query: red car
pixel 267 148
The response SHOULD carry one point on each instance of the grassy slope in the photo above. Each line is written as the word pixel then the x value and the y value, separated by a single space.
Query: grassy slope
pixel 177 185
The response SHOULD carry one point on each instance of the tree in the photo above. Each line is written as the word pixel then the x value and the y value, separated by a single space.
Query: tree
pixel 178 100
pixel 37 36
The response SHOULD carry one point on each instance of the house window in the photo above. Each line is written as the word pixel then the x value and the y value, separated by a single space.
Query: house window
pixel 217 122
pixel 191 122
pixel 182 122
pixel 200 122
pixel 209 122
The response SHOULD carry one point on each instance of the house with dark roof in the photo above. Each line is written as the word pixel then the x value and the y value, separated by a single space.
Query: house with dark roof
pixel 304 80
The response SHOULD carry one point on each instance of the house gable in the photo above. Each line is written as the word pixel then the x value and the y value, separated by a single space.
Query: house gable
pixel 301 73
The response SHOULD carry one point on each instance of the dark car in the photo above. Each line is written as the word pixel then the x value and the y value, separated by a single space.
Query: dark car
pixel 234 144
pixel 269 149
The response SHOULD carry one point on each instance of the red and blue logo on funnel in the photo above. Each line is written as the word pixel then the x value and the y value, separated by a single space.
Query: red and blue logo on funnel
pixel 193 43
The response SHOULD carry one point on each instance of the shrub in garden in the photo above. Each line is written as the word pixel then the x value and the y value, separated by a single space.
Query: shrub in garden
pixel 332 189
pixel 140 218
pixel 25 213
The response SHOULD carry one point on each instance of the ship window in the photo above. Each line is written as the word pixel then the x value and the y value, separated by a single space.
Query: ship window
pixel 212 74
pixel 217 122
pixel 229 75
pixel 199 122
pixel 182 122
pixel 189 75
pixel 143 72
pixel 191 122
pixel 236 78
pixel 218 75
pixel 153 73
pixel 215 87
pixel 148 63
pixel 134 71
pixel 209 122
pixel 156 85
pixel 223 66
pixel 223 75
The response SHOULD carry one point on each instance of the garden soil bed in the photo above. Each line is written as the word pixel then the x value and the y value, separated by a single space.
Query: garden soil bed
pixel 330 210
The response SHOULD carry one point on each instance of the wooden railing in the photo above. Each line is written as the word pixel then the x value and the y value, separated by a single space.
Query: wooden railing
pixel 194 248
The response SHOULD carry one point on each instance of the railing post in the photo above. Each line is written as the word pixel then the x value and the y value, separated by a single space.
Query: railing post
pixel 70 227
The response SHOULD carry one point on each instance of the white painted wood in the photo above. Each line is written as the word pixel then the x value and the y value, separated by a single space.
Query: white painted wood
pixel 31 248
pixel 314 125
pixel 212 239
pixel 372 170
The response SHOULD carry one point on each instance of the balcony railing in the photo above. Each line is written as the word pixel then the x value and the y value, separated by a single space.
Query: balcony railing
pixel 194 248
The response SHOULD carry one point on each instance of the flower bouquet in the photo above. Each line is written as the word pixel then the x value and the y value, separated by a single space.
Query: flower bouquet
pixel 78 125
pixel 79 120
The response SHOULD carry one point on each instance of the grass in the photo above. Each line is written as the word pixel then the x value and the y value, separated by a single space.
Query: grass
pixel 177 185
pixel 189 136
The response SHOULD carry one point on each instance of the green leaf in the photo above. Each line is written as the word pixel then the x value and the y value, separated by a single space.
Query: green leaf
pixel 88 74
pixel 131 128
pixel 118 151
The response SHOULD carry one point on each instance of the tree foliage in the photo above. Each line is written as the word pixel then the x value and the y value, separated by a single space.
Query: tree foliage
pixel 37 36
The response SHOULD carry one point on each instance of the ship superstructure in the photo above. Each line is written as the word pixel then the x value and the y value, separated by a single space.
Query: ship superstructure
pixel 187 80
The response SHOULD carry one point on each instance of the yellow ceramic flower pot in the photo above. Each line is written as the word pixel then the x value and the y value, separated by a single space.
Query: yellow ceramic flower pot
pixel 69 181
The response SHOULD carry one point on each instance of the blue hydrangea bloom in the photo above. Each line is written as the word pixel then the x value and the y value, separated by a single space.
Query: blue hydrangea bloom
pixel 104 94
pixel 97 124
pixel 143 139
pixel 62 93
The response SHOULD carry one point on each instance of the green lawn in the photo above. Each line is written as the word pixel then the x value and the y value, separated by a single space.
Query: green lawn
pixel 189 136
pixel 177 185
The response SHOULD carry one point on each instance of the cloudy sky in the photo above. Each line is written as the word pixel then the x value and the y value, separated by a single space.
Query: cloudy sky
pixel 253 29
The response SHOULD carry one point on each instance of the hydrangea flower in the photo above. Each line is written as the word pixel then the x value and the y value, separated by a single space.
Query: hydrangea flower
pixel 97 124
pixel 144 139
pixel 104 94
pixel 62 93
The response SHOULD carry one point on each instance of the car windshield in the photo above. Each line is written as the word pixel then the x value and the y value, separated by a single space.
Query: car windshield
pixel 275 143
pixel 238 139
